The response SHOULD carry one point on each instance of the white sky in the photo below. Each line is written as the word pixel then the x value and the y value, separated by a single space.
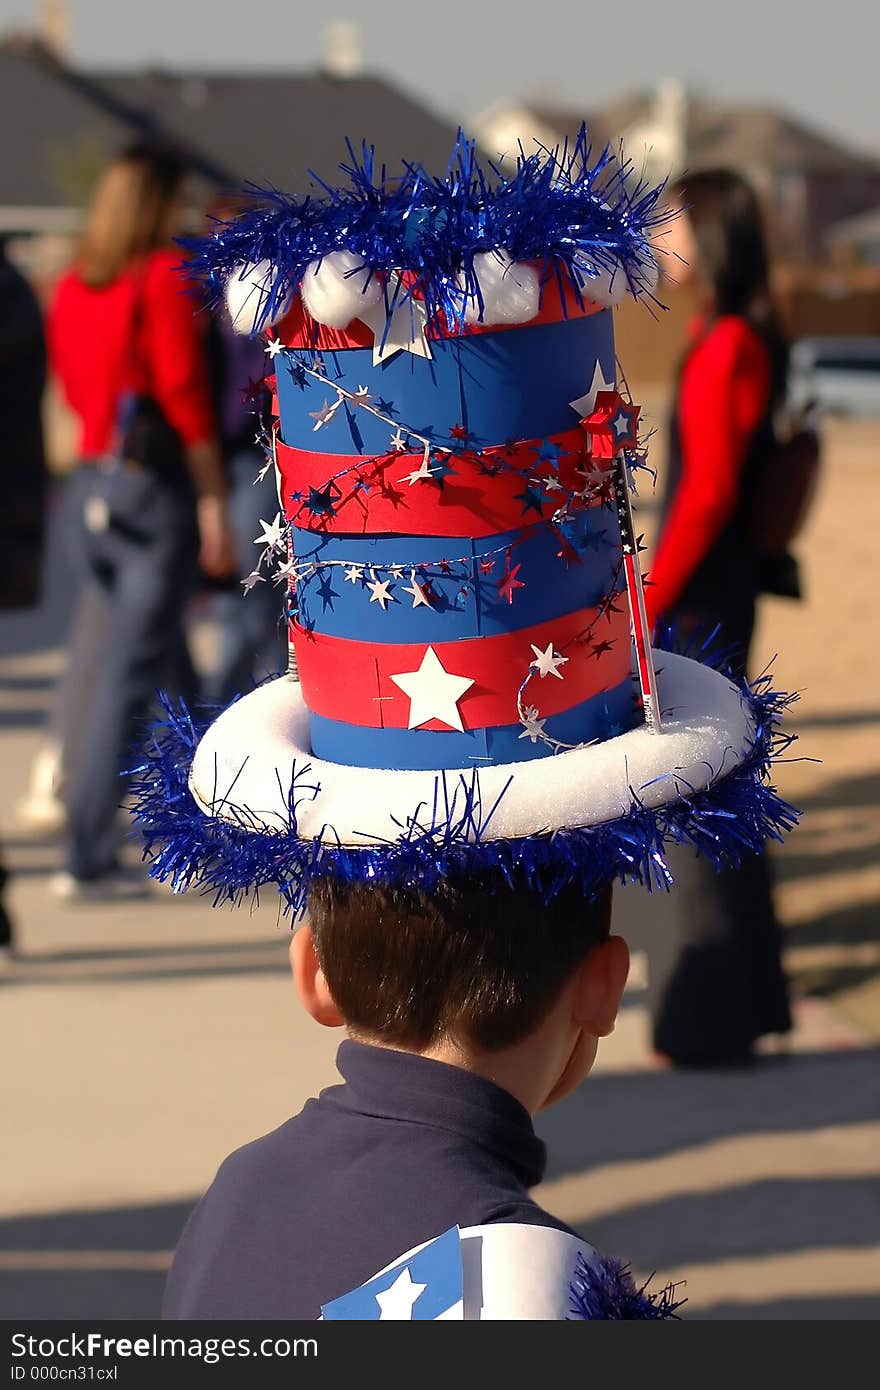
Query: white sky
pixel 819 60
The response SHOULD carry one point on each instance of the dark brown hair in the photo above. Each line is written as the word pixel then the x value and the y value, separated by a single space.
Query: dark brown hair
pixel 481 965
pixel 725 215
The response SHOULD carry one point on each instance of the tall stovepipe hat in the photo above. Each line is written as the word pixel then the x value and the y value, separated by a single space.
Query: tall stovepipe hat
pixel 472 689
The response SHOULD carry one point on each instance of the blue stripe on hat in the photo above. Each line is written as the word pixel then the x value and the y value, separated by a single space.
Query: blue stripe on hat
pixel 500 386
pixel 602 717
pixel 342 608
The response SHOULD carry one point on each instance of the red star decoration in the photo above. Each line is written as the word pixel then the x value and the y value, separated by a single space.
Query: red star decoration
pixel 604 494
pixel 254 390
pixel 612 425
pixel 509 583
pixel 568 553
pixel 487 566
pixel 459 432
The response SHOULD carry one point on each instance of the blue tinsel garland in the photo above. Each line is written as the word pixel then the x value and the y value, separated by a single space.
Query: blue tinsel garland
pixel 577 213
pixel 231 859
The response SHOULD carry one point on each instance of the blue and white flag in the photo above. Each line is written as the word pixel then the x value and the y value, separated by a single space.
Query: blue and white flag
pixel 421 1287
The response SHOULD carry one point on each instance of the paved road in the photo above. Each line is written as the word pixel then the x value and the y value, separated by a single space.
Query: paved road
pixel 141 1045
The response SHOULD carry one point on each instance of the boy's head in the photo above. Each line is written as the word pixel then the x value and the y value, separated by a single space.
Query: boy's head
pixel 474 972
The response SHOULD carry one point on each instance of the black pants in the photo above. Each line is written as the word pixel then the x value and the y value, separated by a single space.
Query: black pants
pixel 721 985
pixel 132 537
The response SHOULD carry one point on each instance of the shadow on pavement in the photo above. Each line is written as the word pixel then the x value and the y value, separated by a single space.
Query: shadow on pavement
pixel 81 1295
pixel 641 1115
pixel 754 1219
pixel 39 629
pixel 794 1309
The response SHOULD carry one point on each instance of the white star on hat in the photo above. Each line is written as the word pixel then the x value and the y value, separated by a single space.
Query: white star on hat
pixel 396 1302
pixel 547 662
pixel 424 473
pixel 433 692
pixel 400 327
pixel 272 533
pixel 379 593
pixel 533 727
pixel 585 405
pixel 419 597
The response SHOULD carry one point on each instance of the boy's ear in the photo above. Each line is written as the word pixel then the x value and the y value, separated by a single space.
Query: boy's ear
pixel 599 987
pixel 311 986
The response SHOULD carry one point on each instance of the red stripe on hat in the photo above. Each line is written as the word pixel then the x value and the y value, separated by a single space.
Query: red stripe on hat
pixel 470 502
pixel 351 681
pixel 298 329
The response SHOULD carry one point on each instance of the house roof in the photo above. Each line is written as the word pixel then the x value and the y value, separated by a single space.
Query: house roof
pixel 59 130
pixel 862 230
pixel 273 128
pixel 230 127
pixel 744 137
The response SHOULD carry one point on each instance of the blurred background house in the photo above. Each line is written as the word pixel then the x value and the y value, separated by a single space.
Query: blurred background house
pixel 808 181
pixel 821 199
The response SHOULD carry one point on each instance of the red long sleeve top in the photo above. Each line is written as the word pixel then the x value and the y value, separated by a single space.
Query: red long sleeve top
pixel 724 394
pixel 92 353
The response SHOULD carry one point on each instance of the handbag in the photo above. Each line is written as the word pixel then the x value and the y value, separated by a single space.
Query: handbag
pixel 784 490
pixel 145 437
pixel 781 500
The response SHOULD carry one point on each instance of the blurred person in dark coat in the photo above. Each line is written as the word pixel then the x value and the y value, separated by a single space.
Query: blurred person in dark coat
pixel 22 462
pixel 252 630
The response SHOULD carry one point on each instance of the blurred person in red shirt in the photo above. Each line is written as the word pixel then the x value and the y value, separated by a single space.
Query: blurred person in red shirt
pixel 149 499
pixel 726 986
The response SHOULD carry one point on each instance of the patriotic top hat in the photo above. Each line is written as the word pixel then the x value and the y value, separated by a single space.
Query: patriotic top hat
pixel 472 689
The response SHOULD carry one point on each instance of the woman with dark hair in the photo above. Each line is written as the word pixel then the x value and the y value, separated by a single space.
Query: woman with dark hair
pixel 726 987
pixel 150 495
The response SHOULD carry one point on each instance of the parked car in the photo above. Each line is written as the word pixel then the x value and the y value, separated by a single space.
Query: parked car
pixel 838 375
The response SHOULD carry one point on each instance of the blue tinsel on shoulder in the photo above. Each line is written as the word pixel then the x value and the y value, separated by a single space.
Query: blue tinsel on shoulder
pixel 604 1290
pixel 576 212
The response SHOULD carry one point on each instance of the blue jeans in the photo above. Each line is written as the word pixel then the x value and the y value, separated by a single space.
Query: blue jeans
pixel 133 542
pixel 253 642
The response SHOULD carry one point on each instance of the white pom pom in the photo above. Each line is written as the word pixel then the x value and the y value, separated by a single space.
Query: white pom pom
pixel 510 290
pixel 611 285
pixel 648 273
pixel 339 288
pixel 607 288
pixel 248 293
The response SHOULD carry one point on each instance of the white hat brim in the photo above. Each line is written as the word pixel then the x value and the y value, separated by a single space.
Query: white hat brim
pixel 248 760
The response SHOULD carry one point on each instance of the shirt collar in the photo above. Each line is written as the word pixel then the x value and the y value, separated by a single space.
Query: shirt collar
pixel 419 1090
